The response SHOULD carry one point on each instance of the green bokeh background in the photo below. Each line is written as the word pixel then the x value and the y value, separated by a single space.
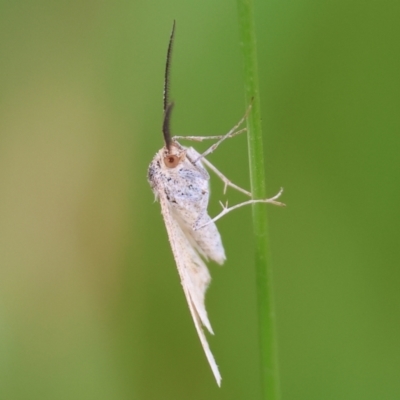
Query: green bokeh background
pixel 90 301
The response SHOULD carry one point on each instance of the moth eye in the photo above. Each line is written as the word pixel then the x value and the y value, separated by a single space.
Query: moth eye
pixel 171 161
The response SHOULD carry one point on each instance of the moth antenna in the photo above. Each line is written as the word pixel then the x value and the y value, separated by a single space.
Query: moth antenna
pixel 168 106
pixel 166 132
pixel 167 67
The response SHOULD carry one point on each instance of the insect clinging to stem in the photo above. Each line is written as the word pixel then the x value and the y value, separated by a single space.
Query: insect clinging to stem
pixel 180 182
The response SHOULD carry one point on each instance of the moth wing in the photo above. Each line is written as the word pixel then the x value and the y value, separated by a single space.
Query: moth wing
pixel 191 214
pixel 194 276
pixel 207 240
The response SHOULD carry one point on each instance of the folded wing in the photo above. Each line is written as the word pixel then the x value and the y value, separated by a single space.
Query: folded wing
pixel 194 276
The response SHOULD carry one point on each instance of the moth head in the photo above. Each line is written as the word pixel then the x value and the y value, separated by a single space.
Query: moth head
pixel 174 155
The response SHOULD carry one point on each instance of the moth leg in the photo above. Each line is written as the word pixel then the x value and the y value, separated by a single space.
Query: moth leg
pixel 226 209
pixel 201 138
pixel 230 134
pixel 224 179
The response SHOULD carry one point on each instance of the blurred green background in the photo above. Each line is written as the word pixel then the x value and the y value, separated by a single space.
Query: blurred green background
pixel 90 301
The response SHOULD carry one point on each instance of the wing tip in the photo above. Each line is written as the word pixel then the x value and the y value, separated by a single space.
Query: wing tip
pixel 217 375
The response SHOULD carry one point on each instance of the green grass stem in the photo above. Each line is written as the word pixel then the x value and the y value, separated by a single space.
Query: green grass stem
pixel 266 312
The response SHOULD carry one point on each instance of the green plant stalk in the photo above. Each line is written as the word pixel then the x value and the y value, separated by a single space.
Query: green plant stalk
pixel 266 312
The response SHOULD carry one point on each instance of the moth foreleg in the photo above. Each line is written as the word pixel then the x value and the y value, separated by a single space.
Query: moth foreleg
pixel 231 133
pixel 201 138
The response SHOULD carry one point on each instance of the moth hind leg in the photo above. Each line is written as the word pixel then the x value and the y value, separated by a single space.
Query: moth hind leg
pixel 227 182
pixel 226 209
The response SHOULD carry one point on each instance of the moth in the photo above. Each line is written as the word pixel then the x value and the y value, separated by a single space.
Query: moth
pixel 180 181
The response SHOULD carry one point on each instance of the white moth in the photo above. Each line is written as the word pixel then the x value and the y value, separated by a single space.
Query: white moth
pixel 181 184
